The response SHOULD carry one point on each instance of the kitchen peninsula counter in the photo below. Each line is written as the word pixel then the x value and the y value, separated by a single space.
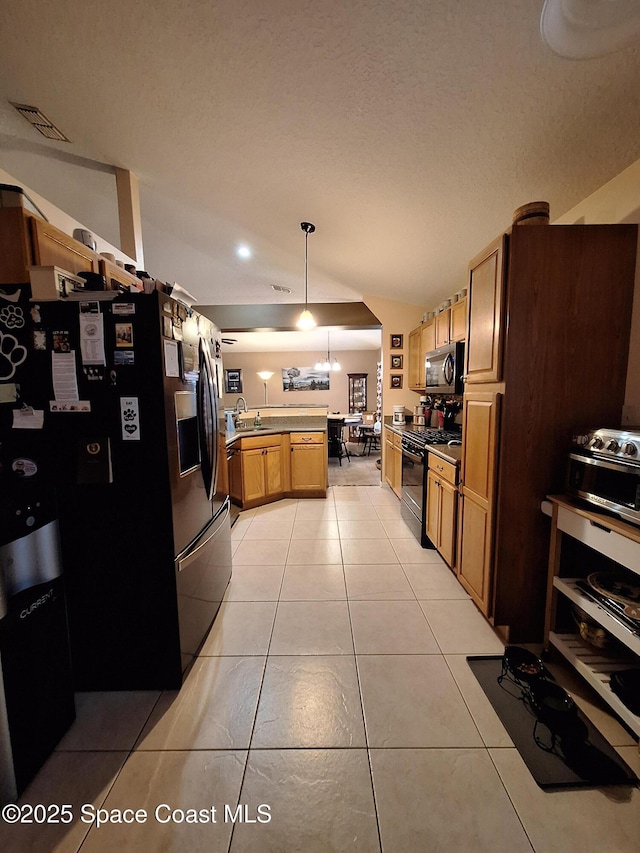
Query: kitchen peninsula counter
pixel 285 457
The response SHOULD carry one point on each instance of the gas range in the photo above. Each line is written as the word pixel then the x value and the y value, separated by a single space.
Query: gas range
pixel 417 440
pixel 623 445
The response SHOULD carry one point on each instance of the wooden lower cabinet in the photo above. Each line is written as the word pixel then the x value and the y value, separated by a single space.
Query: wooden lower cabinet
pixel 308 463
pixel 442 502
pixel 393 460
pixel 478 484
pixel 475 552
pixel 234 469
pixel 256 470
pixel 267 468
pixel 261 473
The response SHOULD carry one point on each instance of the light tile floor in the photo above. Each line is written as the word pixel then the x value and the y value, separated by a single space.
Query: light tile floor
pixel 332 694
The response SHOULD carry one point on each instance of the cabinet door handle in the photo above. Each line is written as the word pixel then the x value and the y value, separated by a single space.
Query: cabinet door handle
pixel 600 526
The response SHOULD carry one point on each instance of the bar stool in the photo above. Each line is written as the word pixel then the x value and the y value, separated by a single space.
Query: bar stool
pixel 336 444
pixel 372 438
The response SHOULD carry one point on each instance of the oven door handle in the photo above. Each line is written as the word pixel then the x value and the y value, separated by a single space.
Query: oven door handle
pixel 412 456
pixel 602 463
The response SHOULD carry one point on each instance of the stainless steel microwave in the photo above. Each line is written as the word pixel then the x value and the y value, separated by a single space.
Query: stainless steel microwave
pixel 444 369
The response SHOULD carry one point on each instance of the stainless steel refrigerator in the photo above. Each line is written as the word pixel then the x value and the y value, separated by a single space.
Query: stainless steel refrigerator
pixel 129 390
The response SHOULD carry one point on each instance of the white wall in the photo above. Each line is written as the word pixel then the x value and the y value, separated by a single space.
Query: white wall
pixel 337 398
pixel 618 201
pixel 61 219
pixel 397 318
pixel 87 193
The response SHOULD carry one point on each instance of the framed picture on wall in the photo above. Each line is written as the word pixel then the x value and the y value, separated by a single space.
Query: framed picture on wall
pixel 396 381
pixel 396 341
pixel 396 362
pixel 233 381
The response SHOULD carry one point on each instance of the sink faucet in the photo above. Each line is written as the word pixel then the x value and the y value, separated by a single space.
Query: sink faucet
pixel 240 402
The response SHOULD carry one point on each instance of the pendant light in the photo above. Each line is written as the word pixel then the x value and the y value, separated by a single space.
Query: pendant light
pixel 306 321
pixel 327 364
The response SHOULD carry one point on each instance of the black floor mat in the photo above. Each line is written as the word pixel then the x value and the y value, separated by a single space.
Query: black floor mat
pixel 583 762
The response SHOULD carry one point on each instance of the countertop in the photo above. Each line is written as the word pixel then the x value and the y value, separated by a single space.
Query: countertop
pixel 252 433
pixel 449 454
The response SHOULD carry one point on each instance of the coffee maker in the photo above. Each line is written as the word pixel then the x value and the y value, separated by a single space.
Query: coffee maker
pixel 398 416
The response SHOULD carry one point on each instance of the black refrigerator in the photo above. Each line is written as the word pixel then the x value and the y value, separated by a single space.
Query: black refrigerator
pixel 129 390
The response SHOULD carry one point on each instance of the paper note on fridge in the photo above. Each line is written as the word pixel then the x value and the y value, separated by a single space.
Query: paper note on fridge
pixel 63 370
pixel 171 359
pixel 8 392
pixel 28 418
pixel 92 338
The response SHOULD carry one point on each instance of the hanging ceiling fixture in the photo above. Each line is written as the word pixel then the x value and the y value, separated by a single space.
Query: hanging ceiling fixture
pixel 306 321
pixel 584 29
pixel 327 364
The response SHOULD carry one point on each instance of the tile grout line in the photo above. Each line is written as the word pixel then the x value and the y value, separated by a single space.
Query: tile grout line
pixel 364 723
pixel 264 672
pixel 129 752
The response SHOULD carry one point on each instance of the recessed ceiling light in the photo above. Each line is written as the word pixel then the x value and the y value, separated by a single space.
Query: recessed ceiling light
pixel 280 289
pixel 243 251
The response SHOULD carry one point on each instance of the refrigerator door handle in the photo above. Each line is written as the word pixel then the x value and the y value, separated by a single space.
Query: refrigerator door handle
pixel 187 556
pixel 207 410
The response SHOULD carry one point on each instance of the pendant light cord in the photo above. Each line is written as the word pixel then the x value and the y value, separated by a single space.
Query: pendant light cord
pixel 306 263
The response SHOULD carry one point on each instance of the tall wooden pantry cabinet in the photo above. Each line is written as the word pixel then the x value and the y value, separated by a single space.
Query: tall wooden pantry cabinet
pixel 547 349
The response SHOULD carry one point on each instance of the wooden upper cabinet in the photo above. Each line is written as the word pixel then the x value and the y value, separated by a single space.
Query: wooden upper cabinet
pixel 52 247
pixel 458 321
pixel 428 338
pixel 486 301
pixel 15 246
pixel 416 379
pixel 442 328
pixel 117 278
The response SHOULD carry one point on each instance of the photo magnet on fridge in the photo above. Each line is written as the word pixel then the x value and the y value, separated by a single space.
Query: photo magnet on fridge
pixel 124 335
pixel 94 460
pixel 124 356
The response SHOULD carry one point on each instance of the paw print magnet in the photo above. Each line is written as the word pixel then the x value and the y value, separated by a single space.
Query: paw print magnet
pixel 12 354
pixel 130 418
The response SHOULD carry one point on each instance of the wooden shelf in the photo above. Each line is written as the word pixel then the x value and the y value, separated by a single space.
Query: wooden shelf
pixel 567 586
pixel 596 669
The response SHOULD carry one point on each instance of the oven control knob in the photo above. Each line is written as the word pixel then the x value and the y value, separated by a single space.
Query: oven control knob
pixel 629 449
pixel 580 440
pixel 596 443
pixel 612 446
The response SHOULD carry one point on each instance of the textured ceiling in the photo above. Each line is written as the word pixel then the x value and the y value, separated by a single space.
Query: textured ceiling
pixel 407 131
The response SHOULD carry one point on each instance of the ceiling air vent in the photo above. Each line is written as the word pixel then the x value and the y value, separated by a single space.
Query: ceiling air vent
pixel 280 289
pixel 40 122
